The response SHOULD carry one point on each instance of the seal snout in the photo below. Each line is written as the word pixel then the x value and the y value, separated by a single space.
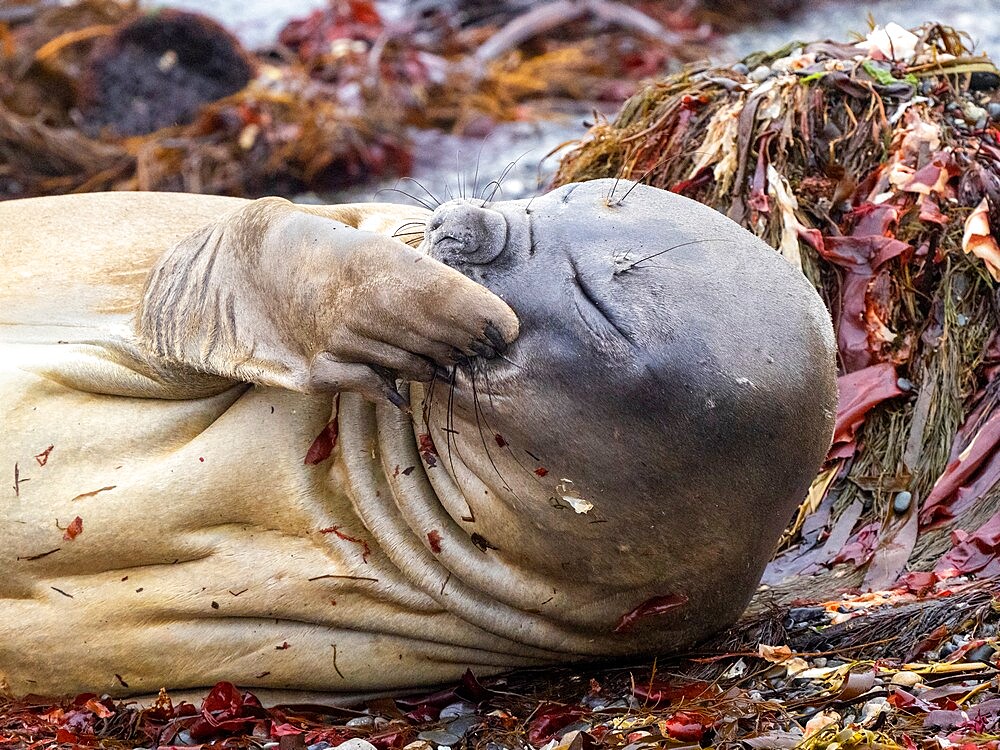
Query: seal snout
pixel 464 232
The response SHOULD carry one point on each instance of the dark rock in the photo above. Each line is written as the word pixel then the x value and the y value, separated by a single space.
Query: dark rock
pixel 982 653
pixel 984 81
pixel 160 70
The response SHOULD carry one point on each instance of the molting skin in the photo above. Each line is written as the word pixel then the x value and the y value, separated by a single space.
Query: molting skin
pixel 626 401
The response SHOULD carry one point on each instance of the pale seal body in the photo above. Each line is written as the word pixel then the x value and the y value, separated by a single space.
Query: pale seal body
pixel 611 484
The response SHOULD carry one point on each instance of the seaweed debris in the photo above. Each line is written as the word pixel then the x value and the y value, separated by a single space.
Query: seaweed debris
pixel 81 109
pixel 103 95
pixel 874 166
pixel 914 671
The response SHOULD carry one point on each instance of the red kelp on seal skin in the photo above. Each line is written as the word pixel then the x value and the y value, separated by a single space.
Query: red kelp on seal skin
pixel 434 539
pixel 326 441
pixel 74 529
pixel 335 530
pixel 427 450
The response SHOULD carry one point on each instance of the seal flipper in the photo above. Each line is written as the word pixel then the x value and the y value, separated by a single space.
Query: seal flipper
pixel 291 297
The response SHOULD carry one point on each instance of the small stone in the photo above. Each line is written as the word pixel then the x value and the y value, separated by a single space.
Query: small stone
pixel 904 385
pixel 361 721
pixel 906 679
pixel 356 744
pixel 984 81
pixel 454 710
pixel 324 745
pixel 183 737
pixel 740 69
pixel 760 74
pixel 819 661
pixel 973 114
pixel 982 653
pixel 439 737
pixel 871 711
pixel 901 503
pixel 994 110
pixel 418 745
pixel 461 726
pixel 804 615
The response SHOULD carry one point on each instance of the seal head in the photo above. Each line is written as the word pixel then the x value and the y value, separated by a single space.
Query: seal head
pixel 668 401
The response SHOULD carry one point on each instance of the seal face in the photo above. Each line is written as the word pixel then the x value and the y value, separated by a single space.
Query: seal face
pixel 673 376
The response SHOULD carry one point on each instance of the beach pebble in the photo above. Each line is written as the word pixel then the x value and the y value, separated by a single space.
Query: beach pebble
pixel 356 744
pixel 901 503
pixel 439 737
pixel 760 74
pixel 906 679
pixel 982 653
pixel 454 710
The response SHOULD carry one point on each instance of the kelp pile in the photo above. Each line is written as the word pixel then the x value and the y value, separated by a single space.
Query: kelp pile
pixel 875 168
pixel 102 95
pixel 99 96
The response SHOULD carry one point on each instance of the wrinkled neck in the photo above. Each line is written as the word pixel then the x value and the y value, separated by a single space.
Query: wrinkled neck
pixel 416 500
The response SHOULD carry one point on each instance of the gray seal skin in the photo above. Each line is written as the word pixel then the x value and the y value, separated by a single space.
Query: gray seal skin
pixel 208 384
pixel 672 371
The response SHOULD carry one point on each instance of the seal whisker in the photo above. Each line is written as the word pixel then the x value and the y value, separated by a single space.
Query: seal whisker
pixel 505 445
pixel 503 175
pixel 430 398
pixel 479 425
pixel 479 158
pixel 449 430
pixel 635 263
pixel 437 201
pixel 459 177
pixel 412 197
pixel 413 223
pixel 660 162
pixel 495 189
pixel 509 361
pixel 449 419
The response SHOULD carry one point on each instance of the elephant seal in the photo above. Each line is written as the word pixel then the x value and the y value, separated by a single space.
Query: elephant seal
pixel 273 444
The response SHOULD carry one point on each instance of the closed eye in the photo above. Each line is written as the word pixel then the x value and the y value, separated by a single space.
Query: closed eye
pixel 595 305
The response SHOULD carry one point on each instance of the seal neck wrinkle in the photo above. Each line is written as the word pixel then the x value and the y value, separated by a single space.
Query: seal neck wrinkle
pixel 440 554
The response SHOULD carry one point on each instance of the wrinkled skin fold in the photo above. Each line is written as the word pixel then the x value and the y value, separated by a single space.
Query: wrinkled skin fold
pixel 311 459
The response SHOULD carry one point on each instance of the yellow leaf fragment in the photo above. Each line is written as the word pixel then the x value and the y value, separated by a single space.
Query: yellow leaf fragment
pixel 978 239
